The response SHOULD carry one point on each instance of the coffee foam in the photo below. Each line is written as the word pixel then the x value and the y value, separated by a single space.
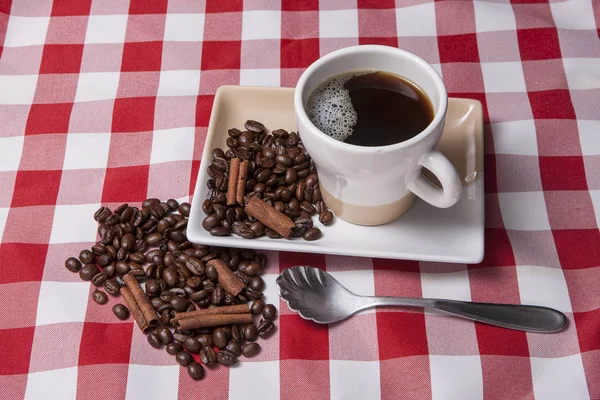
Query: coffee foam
pixel 330 107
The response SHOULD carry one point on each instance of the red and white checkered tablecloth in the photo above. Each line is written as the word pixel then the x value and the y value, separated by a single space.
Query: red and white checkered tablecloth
pixel 108 101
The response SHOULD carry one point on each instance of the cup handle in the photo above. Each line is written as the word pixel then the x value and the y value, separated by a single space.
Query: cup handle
pixel 445 172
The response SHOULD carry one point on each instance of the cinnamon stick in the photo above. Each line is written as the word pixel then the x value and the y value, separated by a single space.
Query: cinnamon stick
pixel 269 216
pixel 202 321
pixel 142 300
pixel 134 309
pixel 231 283
pixel 241 183
pixel 235 309
pixel 234 169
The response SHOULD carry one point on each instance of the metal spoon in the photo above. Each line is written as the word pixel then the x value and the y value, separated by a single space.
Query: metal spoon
pixel 318 297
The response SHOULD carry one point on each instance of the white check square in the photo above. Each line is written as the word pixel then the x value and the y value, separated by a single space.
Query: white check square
pixel 153 382
pixel 503 77
pixel 184 27
pixel 524 211
pixel 17 89
pixel 26 31
pixel 573 14
pixel 93 86
pixel 515 137
pixel 3 218
pixel 261 24
pixel 543 286
pixel 354 379
pixel 456 377
pixel 106 29
pixel 582 73
pixel 416 20
pixel 260 77
pixel 271 290
pixel 62 302
pixel 77 158
pixel 72 223
pixel 246 375
pixel 360 281
pixel 559 378
pixel 494 17
pixel 451 285
pixel 179 83
pixel 52 384
pixel 594 193
pixel 589 137
pixel 338 23
pixel 172 145
pixel 10 152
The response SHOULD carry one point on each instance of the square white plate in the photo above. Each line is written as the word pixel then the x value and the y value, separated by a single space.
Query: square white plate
pixel 425 233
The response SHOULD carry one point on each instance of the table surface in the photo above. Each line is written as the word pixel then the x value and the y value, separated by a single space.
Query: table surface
pixel 108 101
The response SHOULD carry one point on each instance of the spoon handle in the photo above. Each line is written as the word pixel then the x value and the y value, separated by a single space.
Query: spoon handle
pixel 512 316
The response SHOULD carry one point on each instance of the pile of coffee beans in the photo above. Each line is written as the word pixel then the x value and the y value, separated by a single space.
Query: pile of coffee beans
pixel 151 244
pixel 280 172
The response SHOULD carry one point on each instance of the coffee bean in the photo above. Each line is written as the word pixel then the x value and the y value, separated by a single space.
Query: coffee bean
pixel 291 175
pixel 218 295
pixel 250 349
pixel 118 281
pixel 220 231
pixel 97 249
pixel 195 371
pixel 312 234
pixel 88 271
pixel 113 219
pixel 184 358
pixel 265 327
pixel 211 221
pixel 86 256
pixel 205 340
pixel 192 345
pixel 72 264
pixel 165 335
pixel 173 204
pixel 120 311
pixel 112 286
pixel 128 241
pixel 110 269
pixel 256 283
pixel 220 338
pixel 154 340
pixel 105 259
pixel 257 307
pixel 99 297
pixel 253 269
pixel 234 348
pixel 102 214
pixel 254 126
pixel 226 358
pixel 122 267
pixel 184 209
pixel 173 348
pixel 250 332
pixel 99 279
pixel 234 133
pixel 180 304
pixel 208 355
pixel 326 217
pixel 154 238
pixel 269 312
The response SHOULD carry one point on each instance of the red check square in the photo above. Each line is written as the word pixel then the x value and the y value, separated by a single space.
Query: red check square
pixel 458 48
pixel 15 347
pixel 552 104
pixel 203 109
pixel 220 6
pixel 383 41
pixel 501 342
pixel 105 343
pixel 577 248
pixel 61 58
pixel 48 118
pixel 562 173
pixel 498 251
pixel 148 6
pixel 134 114
pixel 588 330
pixel 141 56
pixel 221 54
pixel 287 260
pixel 412 341
pixel 538 44
pixel 376 4
pixel 299 53
pixel 125 184
pixel 14 254
pixel 299 5
pixel 294 330
pixel 36 188
pixel 64 8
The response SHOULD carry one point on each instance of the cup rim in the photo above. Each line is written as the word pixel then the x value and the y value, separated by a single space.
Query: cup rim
pixel 393 51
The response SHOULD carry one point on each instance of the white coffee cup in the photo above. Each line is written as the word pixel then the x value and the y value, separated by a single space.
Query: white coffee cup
pixel 376 185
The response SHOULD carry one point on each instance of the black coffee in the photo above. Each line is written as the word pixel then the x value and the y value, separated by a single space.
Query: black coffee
pixel 367 108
